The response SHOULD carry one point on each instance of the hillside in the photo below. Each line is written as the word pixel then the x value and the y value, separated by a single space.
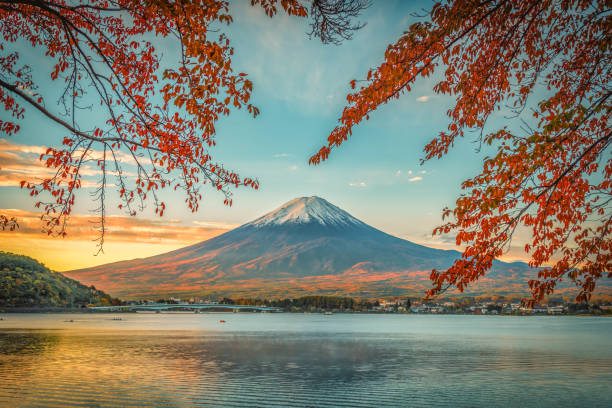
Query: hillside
pixel 307 246
pixel 25 282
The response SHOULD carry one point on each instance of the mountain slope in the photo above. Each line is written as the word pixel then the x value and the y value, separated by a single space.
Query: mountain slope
pixel 26 282
pixel 306 246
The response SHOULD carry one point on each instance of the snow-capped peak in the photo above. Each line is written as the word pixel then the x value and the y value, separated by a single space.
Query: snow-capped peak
pixel 306 210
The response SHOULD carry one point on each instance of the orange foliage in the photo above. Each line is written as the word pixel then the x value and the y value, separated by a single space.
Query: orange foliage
pixel 7 223
pixel 161 116
pixel 556 178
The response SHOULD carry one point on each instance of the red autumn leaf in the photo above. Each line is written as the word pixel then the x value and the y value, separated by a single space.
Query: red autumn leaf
pixel 555 179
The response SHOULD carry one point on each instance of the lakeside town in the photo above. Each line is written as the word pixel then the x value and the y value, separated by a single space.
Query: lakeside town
pixel 331 304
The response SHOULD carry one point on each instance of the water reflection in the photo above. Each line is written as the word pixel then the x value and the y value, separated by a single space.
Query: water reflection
pixel 314 368
pixel 15 342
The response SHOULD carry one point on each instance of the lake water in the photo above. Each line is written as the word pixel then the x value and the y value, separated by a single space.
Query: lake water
pixel 302 360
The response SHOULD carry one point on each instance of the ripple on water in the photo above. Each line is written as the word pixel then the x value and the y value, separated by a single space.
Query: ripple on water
pixel 499 366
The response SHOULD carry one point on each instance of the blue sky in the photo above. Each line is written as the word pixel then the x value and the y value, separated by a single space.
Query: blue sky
pixel 300 86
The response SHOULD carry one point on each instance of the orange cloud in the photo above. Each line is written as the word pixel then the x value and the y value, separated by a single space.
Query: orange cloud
pixel 19 162
pixel 125 238
pixel 22 162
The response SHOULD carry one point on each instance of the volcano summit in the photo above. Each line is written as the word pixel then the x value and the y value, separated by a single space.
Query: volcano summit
pixel 306 246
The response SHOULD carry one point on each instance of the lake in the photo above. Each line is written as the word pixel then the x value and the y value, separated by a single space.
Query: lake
pixel 304 360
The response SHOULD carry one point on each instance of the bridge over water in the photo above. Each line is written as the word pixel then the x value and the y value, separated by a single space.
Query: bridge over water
pixel 186 306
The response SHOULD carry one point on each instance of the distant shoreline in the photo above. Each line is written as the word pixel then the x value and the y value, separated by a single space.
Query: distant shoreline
pixel 30 310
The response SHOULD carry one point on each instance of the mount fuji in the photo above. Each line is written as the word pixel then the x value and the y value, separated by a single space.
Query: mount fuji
pixel 306 246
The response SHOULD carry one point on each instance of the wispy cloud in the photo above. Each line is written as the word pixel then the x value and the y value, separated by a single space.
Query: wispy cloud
pixel 119 228
pixel 26 90
pixel 20 162
pixel 6 145
pixel 305 79
pixel 417 178
pixel 359 184
pixel 425 98
pixel 293 168
pixel 126 238
pixel 281 155
pixel 215 225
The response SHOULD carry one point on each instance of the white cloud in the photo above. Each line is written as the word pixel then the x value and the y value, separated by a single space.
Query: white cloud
pixel 293 168
pixel 281 155
pixel 26 90
pixel 211 224
pixel 415 179
pixel 398 173
pixel 423 171
pixel 21 163
pixel 360 184
pixel 409 171
pixel 92 155
pixel 425 98
pixel 286 65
